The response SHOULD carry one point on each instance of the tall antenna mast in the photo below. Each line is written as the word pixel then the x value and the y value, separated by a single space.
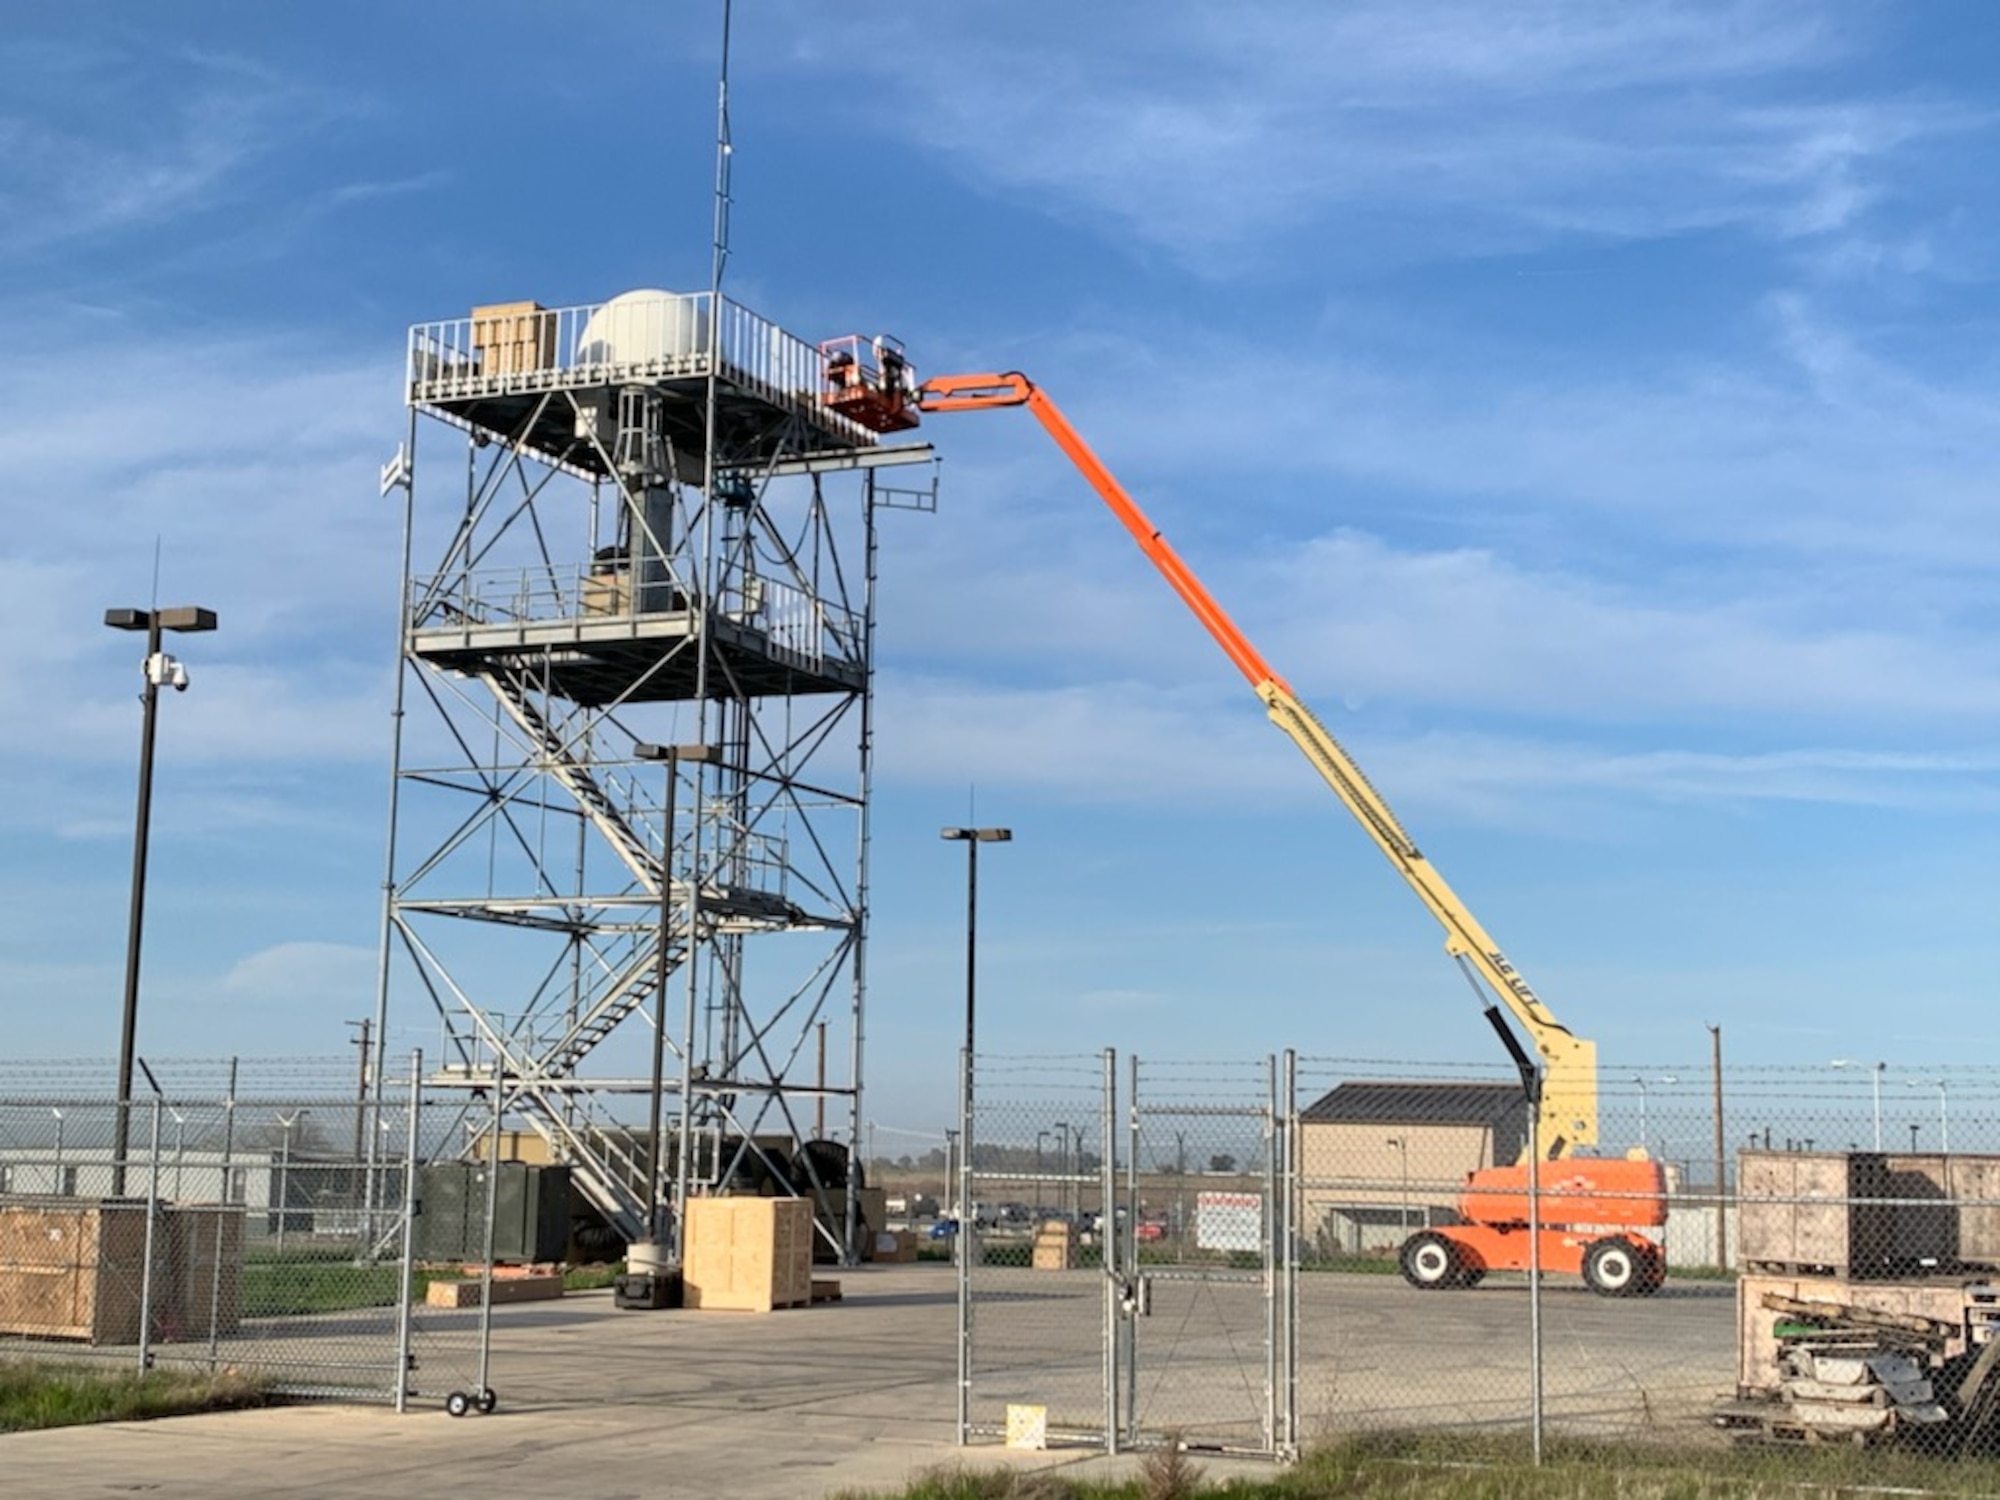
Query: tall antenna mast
pixel 722 154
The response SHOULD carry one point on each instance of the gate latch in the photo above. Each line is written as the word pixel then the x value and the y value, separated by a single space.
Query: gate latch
pixel 1135 1296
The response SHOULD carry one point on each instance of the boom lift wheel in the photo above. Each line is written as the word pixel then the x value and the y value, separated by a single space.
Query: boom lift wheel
pixel 1430 1261
pixel 1614 1267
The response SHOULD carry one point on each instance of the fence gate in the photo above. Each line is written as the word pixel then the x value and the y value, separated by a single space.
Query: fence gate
pixel 1037 1298
pixel 1120 1276
pixel 1201 1236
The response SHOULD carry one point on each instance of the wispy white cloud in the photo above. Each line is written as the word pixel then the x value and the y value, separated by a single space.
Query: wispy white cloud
pixel 1124 744
pixel 1439 129
pixel 134 142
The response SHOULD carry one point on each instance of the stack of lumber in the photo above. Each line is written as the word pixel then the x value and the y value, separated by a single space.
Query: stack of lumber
pixel 1852 1389
pixel 1848 1373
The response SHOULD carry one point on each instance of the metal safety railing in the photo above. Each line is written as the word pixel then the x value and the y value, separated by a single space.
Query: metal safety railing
pixel 637 338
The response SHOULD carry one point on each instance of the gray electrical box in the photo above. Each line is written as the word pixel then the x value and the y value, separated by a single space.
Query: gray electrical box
pixel 530 1216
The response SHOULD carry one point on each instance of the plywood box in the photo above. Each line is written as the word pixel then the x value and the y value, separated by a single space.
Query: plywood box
pixel 514 337
pixel 1925 1220
pixel 205 1250
pixel 1055 1247
pixel 467 1293
pixel 1974 1184
pixel 72 1270
pixel 1821 1210
pixel 748 1254
pixel 894 1246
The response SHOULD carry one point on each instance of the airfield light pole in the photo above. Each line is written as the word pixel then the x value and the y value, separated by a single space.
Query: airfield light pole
pixel 160 669
pixel 1402 1145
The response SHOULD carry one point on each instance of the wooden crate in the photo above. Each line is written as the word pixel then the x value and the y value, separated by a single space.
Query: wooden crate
pixel 506 1289
pixel 1814 1210
pixel 514 337
pixel 205 1257
pixel 1974 1184
pixel 1924 1233
pixel 73 1269
pixel 1055 1247
pixel 748 1254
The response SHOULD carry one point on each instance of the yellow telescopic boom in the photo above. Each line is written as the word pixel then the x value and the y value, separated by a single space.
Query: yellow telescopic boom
pixel 1569 1063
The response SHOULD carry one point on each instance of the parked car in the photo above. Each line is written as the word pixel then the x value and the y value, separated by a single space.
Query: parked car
pixel 944 1229
pixel 1149 1231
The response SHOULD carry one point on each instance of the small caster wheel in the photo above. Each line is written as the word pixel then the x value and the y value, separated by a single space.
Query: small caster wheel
pixel 458 1403
pixel 486 1400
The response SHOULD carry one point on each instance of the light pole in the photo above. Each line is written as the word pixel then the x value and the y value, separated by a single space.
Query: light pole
pixel 1876 1073
pixel 285 1123
pixel 160 670
pixel 673 755
pixel 57 1185
pixel 180 1148
pixel 972 838
pixel 1645 1138
pixel 1040 1136
pixel 1944 1119
pixel 1061 1128
pixel 1402 1145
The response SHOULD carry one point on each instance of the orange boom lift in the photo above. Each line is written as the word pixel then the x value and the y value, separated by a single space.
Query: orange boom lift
pixel 1594 1214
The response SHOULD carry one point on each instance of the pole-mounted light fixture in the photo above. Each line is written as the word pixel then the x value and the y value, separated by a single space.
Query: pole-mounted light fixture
pixel 161 670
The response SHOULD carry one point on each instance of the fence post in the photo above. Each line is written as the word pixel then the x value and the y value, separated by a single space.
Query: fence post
pixel 1107 1198
pixel 1289 1133
pixel 1130 1245
pixel 152 1223
pixel 484 1393
pixel 1275 1237
pixel 222 1199
pixel 962 1241
pixel 406 1277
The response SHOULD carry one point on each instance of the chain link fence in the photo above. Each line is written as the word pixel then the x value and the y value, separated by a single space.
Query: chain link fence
pixel 1297 1248
pixel 268 1229
pixel 1034 1182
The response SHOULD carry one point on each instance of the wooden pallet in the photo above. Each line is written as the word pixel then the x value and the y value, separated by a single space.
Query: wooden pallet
pixel 825 1291
pixel 1774 1425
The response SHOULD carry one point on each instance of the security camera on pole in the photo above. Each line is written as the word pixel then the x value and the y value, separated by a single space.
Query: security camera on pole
pixel 161 670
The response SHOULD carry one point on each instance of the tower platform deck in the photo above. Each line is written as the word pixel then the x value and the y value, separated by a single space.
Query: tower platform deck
pixel 596 658
pixel 496 371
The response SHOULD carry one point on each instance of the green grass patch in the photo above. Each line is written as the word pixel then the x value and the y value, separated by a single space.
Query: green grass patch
pixel 1463 1466
pixel 302 1284
pixel 325 1281
pixel 35 1395
pixel 591 1278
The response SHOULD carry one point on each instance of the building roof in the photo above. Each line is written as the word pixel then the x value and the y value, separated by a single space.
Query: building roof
pixel 1417 1104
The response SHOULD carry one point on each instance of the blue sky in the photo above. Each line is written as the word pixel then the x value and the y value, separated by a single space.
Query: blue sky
pixel 1589 409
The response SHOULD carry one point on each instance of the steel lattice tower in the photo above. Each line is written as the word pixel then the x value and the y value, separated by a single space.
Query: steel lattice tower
pixel 650 521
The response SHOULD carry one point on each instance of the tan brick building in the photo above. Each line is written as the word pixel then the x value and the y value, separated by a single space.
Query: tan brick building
pixel 1378 1160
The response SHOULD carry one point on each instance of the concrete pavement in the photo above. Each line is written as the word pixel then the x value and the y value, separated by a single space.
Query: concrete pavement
pixel 608 1404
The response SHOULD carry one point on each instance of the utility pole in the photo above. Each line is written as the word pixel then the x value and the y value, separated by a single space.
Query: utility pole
pixel 360 1040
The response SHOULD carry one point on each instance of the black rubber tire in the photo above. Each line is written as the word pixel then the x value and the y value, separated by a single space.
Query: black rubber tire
pixel 457 1404
pixel 486 1400
pixel 1653 1272
pixel 1470 1277
pixel 1430 1262
pixel 1614 1267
